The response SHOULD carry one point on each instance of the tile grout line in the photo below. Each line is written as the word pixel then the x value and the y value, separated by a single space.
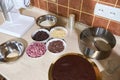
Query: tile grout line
pixel 57 6
pixel 71 8
pixel 118 6
pixel 116 3
pixel 39 3
pixel 110 20
pixel 106 3
pixel 55 3
pixel 102 17
pixel 108 24
pixel 81 10
pixel 93 20
pixel 94 16
pixel 75 9
pixel 47 5
pixel 33 2
pixel 36 4
pixel 68 8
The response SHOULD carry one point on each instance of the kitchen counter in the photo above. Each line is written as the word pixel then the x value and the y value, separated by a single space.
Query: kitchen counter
pixel 27 68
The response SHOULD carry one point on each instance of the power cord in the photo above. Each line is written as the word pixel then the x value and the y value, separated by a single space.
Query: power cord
pixel 26 3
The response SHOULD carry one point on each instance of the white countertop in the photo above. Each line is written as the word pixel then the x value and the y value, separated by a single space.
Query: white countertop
pixel 27 68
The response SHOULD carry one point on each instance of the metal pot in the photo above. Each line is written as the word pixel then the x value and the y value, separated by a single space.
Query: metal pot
pixel 96 42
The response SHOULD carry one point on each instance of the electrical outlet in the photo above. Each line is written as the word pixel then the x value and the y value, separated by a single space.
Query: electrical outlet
pixel 107 12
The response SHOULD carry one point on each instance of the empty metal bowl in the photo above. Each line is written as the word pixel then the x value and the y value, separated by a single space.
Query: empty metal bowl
pixel 96 42
pixel 12 50
pixel 46 21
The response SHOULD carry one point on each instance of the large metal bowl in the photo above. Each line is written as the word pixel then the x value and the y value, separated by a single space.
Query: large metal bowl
pixel 96 42
pixel 12 50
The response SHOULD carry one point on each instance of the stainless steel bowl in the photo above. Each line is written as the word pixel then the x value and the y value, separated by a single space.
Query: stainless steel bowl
pixel 96 42
pixel 46 21
pixel 12 50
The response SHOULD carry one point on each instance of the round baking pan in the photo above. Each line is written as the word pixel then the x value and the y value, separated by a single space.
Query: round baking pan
pixel 70 69
pixel 47 21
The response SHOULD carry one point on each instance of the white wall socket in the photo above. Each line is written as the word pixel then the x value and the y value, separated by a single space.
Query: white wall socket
pixel 107 12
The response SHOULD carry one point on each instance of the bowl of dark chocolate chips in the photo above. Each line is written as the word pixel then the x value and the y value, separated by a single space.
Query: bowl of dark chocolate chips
pixel 41 35
pixel 56 45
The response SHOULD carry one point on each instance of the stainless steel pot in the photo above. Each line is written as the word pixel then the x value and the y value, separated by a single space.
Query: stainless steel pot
pixel 96 42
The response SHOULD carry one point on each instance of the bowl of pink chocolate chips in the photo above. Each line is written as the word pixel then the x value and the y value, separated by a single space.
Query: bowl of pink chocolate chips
pixel 36 49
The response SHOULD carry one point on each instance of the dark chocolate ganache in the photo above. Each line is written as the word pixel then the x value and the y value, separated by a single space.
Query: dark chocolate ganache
pixel 56 46
pixel 40 36
pixel 73 67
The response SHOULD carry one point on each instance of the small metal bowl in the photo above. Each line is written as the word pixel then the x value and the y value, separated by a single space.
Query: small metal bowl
pixel 12 50
pixel 96 42
pixel 46 21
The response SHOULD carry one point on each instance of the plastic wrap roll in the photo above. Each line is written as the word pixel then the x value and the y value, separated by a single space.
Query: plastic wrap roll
pixel 71 21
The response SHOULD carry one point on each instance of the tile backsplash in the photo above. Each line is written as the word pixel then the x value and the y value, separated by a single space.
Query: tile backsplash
pixel 83 10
